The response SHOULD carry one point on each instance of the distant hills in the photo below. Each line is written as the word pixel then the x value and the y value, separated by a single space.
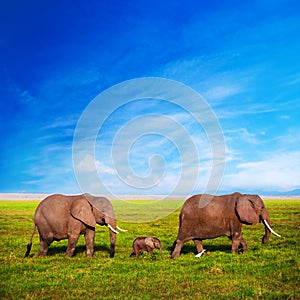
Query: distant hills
pixel 40 196
pixel 22 196
pixel 269 194
pixel 289 193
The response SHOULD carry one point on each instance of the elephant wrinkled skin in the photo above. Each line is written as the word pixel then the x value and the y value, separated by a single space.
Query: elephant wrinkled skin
pixel 207 217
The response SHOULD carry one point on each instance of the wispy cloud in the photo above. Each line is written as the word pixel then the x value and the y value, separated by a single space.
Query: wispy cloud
pixel 278 172
pixel 216 92
pixel 242 135
pixel 89 164
pixel 294 79
pixel 61 122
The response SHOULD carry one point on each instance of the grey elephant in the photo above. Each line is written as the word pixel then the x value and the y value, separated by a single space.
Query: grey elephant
pixel 60 217
pixel 145 243
pixel 207 217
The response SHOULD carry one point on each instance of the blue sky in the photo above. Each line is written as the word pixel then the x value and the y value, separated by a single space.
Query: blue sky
pixel 241 56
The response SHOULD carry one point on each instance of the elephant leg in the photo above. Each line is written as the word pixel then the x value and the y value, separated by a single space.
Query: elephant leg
pixel 44 246
pixel 72 241
pixel 149 249
pixel 177 248
pixel 135 250
pixel 178 245
pixel 244 245
pixel 235 238
pixel 89 241
pixel 238 240
pixel 199 245
pixel 235 246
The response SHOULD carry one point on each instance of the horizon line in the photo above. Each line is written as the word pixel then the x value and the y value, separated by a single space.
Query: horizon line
pixel 41 196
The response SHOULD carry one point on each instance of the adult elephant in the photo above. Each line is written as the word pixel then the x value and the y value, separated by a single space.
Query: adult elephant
pixel 67 217
pixel 207 217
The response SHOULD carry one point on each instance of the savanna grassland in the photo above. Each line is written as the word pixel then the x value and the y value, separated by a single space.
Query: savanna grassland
pixel 269 271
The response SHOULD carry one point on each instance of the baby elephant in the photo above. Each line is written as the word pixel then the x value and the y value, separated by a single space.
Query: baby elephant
pixel 145 243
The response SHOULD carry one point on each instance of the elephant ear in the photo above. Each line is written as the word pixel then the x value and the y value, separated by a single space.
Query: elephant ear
pixel 102 204
pixel 149 242
pixel 246 210
pixel 82 210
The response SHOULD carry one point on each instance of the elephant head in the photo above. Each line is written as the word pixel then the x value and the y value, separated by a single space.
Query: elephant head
pixel 153 243
pixel 251 210
pixel 97 210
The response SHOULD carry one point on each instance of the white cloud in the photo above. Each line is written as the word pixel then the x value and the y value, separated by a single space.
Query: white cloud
pixel 279 172
pixel 222 91
pixel 27 98
pixel 62 122
pixel 242 135
pixel 88 164
pixel 102 168
pixel 293 79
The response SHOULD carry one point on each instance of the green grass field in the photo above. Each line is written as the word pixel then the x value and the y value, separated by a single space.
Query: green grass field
pixel 268 271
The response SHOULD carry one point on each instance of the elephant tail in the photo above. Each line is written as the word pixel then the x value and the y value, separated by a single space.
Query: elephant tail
pixel 30 242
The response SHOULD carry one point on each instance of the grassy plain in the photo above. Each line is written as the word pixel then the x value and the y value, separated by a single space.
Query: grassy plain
pixel 268 271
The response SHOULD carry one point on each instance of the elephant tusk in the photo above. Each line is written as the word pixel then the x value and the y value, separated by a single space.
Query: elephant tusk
pixel 201 253
pixel 112 229
pixel 269 227
pixel 123 230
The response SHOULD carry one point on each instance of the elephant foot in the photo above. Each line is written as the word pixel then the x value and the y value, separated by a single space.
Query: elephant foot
pixel 70 252
pixel 175 255
pixel 89 253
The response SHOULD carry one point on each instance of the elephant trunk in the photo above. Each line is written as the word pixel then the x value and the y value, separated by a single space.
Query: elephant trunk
pixel 112 225
pixel 112 232
pixel 112 243
pixel 268 230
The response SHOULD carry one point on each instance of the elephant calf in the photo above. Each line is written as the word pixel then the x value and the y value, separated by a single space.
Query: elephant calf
pixel 145 243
